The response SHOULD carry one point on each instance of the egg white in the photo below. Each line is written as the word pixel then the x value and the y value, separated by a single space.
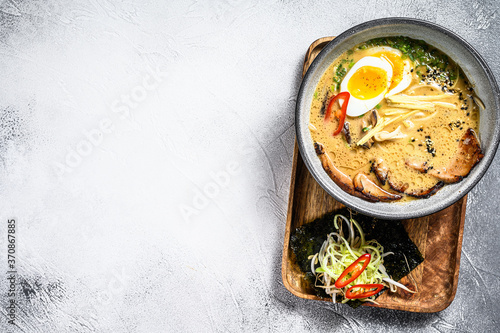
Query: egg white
pixel 405 81
pixel 357 107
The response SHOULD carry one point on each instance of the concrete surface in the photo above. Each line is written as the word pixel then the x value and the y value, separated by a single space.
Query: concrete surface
pixel 145 152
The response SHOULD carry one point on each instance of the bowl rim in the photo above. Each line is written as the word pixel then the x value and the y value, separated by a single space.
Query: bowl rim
pixel 366 207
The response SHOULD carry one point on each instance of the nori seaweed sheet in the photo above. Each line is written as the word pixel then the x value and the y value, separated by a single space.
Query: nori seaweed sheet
pixel 307 240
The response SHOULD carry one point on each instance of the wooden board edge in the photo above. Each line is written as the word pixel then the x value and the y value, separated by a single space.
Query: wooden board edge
pixel 444 305
pixel 286 244
pixel 310 50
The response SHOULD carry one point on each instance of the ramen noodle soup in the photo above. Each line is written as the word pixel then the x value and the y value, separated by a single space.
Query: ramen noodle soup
pixel 395 119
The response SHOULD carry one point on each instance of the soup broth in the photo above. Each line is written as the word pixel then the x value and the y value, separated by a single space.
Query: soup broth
pixel 421 124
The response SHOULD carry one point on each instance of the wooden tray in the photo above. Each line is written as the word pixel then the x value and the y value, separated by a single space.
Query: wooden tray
pixel 438 237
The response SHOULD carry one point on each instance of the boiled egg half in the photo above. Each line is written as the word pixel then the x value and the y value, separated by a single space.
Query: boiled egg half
pixel 401 68
pixel 383 73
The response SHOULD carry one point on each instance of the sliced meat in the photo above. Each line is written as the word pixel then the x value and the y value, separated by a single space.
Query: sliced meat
pixel 369 189
pixel 341 179
pixel 468 155
pixel 381 170
pixel 446 177
pixel 425 193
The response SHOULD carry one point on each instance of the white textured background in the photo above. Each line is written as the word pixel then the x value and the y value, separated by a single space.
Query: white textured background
pixel 129 232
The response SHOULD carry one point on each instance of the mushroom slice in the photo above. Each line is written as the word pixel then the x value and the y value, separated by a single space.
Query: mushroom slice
pixel 347 133
pixel 381 170
pixel 398 187
pixel 421 166
pixel 385 135
pixel 341 179
pixel 468 155
pixel 425 193
pixel 368 121
pixel 369 189
pixel 324 105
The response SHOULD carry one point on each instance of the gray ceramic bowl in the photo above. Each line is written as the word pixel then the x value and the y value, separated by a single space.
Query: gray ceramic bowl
pixel 454 46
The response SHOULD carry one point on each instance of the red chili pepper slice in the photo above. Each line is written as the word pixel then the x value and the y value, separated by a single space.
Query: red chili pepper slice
pixel 373 289
pixel 352 272
pixel 343 111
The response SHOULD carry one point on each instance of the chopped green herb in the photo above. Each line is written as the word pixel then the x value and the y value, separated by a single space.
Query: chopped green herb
pixel 332 88
pixel 378 106
pixel 419 52
pixel 341 71
pixel 366 129
pixel 453 75
pixel 349 52
pixel 315 95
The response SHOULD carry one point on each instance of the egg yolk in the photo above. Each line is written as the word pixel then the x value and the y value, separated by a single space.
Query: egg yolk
pixel 397 66
pixel 367 82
